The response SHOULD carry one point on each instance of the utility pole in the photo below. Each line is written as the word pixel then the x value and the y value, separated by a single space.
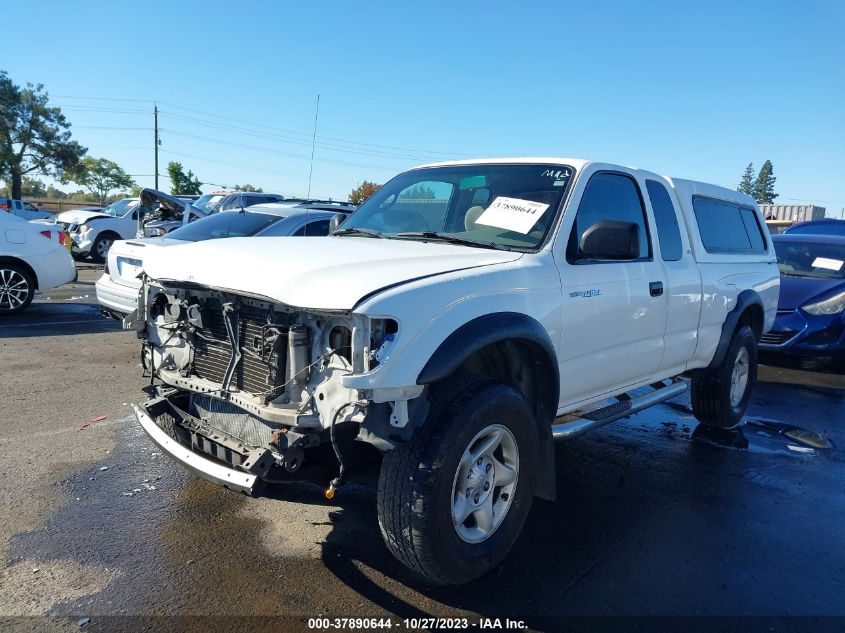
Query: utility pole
pixel 155 141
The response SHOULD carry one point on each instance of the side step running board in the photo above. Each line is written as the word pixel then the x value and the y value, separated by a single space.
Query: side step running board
pixel 622 409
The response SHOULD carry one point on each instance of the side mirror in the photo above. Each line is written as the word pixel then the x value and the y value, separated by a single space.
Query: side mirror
pixel 336 221
pixel 610 240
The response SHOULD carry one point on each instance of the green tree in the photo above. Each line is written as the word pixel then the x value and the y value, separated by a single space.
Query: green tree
pixel 248 187
pixel 34 137
pixel 363 191
pixel 31 187
pixel 764 187
pixel 53 192
pixel 182 183
pixel 99 176
pixel 746 185
pixel 419 192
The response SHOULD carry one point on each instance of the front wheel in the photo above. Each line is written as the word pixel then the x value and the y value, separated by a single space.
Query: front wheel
pixel 100 248
pixel 720 395
pixel 452 501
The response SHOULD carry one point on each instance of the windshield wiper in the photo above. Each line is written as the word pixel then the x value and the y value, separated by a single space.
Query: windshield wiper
pixel 357 230
pixel 445 237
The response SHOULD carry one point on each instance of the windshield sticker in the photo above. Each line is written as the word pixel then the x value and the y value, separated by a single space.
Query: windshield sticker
pixel 824 262
pixel 512 214
pixel 556 173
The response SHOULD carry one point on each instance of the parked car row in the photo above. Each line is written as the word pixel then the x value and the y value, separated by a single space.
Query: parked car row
pixel 117 289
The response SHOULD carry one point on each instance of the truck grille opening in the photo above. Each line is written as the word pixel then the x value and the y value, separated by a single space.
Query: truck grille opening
pixel 263 350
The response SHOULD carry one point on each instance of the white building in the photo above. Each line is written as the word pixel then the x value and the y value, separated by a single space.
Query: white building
pixel 792 212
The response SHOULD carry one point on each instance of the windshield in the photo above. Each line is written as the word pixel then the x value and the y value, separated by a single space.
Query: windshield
pixel 121 207
pixel 809 259
pixel 208 202
pixel 224 225
pixel 501 206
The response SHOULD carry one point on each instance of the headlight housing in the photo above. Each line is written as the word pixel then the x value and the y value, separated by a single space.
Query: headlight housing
pixel 155 231
pixel 828 307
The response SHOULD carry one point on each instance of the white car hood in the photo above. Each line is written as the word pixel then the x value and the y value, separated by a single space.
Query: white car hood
pixel 78 217
pixel 323 273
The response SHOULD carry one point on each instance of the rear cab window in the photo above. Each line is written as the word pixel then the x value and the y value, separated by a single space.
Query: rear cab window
pixel 728 227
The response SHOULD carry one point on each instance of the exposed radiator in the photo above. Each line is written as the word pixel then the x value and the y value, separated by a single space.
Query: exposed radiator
pixel 212 351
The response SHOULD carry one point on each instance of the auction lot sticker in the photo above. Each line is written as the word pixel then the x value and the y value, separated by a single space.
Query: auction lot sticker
pixel 512 214
pixel 823 262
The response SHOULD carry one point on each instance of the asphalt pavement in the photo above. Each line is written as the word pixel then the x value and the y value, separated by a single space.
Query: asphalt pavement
pixel 655 517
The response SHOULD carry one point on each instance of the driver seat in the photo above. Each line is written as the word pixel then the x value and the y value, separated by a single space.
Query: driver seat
pixel 471 217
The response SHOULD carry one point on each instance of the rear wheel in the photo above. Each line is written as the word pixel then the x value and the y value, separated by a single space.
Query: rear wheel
pixel 451 502
pixel 17 289
pixel 720 395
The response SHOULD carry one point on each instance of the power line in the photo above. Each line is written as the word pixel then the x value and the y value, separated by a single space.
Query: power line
pixel 275 151
pixel 299 142
pixel 250 168
pixel 270 127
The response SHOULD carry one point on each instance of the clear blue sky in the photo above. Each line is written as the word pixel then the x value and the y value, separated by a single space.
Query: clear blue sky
pixel 690 89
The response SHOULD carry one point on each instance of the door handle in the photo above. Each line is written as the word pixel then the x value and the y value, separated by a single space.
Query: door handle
pixel 655 288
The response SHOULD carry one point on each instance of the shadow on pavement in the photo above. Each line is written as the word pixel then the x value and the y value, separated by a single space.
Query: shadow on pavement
pixel 57 319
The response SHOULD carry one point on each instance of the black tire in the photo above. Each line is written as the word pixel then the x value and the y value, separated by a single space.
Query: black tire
pixel 418 483
pixel 103 242
pixel 711 397
pixel 17 289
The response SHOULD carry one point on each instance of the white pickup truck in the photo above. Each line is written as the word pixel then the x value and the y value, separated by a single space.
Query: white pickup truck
pixel 463 318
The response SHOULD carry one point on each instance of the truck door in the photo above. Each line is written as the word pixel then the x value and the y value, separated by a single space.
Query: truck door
pixel 614 311
pixel 683 287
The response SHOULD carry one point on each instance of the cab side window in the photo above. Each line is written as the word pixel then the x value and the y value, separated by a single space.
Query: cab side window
pixel 668 231
pixel 609 196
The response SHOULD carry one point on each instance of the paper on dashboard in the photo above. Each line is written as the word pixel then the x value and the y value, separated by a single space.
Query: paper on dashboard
pixel 512 214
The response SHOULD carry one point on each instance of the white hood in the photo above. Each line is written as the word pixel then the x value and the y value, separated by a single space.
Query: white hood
pixel 78 217
pixel 326 273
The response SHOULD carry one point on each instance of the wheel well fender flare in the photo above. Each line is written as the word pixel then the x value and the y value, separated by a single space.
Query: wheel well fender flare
pixel 501 328
pixel 487 330
pixel 5 259
pixel 747 311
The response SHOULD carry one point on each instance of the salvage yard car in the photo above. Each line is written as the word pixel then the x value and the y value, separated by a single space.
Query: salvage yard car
pixel 92 232
pixel 117 289
pixel 811 311
pixel 464 317
pixel 25 210
pixel 32 258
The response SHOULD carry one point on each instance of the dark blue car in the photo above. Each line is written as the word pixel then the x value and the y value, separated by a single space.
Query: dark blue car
pixel 827 226
pixel 811 311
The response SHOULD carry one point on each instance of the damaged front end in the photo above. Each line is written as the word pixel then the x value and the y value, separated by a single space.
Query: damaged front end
pixel 250 386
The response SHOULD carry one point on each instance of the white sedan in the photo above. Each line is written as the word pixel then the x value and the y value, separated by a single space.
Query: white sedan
pixel 117 289
pixel 33 257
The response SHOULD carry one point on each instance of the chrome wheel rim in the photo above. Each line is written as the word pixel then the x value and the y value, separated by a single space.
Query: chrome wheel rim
pixel 484 484
pixel 739 376
pixel 14 289
pixel 103 247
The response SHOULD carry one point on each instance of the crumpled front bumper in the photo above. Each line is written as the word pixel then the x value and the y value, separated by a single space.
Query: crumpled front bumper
pixel 193 461
pixel 80 245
